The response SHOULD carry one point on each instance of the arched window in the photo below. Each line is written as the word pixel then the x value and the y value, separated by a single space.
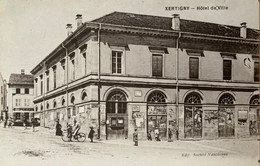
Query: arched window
pixel 116 102
pixel 63 102
pixel 47 105
pixel 226 99
pixel 156 97
pixel 36 108
pixel 72 100
pixel 84 96
pixel 254 100
pixel 41 107
pixel 116 95
pixel 193 98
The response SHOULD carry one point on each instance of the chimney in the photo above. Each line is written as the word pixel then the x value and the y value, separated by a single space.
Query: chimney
pixel 22 71
pixel 69 29
pixel 243 30
pixel 176 22
pixel 79 20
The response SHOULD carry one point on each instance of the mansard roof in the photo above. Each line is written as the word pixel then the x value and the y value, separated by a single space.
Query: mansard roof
pixel 165 23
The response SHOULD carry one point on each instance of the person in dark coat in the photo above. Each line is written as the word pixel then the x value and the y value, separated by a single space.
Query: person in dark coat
pixel 91 134
pixel 58 128
pixel 135 137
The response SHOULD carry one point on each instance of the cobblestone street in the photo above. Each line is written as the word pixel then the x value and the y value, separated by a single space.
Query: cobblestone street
pixel 43 147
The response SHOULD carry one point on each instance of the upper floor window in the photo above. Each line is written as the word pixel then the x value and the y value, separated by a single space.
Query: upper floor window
pixel 18 91
pixel 256 71
pixel 73 69
pixel 17 102
pixel 26 102
pixel 2 89
pixel 117 62
pixel 157 65
pixel 47 81
pixel 41 84
pixel 54 77
pixel 26 91
pixel 227 69
pixel 63 70
pixel 194 67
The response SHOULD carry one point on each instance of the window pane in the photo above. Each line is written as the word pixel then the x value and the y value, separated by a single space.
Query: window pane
pixel 256 71
pixel 157 65
pixel 227 69
pixel 194 67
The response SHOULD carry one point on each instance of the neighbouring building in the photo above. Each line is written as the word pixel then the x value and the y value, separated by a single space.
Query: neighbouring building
pixel 3 99
pixel 197 80
pixel 20 97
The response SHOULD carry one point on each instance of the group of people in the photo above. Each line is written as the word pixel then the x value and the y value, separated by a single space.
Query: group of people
pixel 73 130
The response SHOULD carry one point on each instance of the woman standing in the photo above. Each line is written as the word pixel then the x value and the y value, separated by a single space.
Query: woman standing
pixel 91 134
pixel 58 129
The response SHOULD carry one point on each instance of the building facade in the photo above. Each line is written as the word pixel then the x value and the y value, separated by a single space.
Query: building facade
pixel 123 71
pixel 3 99
pixel 20 97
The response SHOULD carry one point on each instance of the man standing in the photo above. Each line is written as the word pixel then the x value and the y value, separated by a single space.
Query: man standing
pixel 91 134
pixel 135 138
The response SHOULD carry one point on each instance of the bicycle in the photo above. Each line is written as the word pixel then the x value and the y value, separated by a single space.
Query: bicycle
pixel 80 137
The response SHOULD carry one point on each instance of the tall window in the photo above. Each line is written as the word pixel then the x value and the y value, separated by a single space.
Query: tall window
pixel 2 90
pixel 18 90
pixel 117 62
pixel 47 82
pixel 41 84
pixel 194 67
pixel 18 102
pixel 63 70
pixel 26 102
pixel 227 69
pixel 54 77
pixel 256 71
pixel 157 65
pixel 36 87
pixel 85 63
pixel 73 69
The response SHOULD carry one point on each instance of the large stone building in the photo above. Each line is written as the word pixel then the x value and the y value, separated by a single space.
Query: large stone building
pixel 123 71
pixel 3 98
pixel 20 97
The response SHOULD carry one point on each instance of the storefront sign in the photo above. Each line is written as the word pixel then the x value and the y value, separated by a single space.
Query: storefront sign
pixel 157 110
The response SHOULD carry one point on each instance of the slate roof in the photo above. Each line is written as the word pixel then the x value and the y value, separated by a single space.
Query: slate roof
pixel 164 23
pixel 21 79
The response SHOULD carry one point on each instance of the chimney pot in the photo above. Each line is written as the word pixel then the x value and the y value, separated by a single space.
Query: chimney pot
pixel 22 71
pixel 243 30
pixel 69 29
pixel 79 20
pixel 176 22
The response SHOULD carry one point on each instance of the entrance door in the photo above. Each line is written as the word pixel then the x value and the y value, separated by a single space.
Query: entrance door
pixel 226 122
pixel 193 116
pixel 116 116
pixel 254 116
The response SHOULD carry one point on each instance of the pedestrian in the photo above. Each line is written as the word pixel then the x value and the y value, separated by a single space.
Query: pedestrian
pixel 33 124
pixel 149 136
pixel 169 135
pixel 91 134
pixel 58 128
pixel 25 123
pixel 157 133
pixel 5 123
pixel 135 137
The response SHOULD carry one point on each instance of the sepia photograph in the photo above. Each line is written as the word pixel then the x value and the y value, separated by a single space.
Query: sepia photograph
pixel 130 82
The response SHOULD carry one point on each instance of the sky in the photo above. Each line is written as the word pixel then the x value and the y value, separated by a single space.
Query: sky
pixel 31 29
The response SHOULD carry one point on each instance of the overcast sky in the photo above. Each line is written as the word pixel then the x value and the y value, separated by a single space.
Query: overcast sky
pixel 31 29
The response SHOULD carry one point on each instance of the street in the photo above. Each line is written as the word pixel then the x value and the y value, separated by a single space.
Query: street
pixel 24 147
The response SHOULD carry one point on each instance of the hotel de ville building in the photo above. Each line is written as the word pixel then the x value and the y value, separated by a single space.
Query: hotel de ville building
pixel 125 71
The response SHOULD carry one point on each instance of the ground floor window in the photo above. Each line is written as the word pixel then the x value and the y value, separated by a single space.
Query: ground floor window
pixel 17 116
pixel 226 122
pixel 157 119
pixel 193 121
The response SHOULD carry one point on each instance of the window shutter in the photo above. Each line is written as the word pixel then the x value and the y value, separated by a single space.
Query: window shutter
pixel 227 67
pixel 157 65
pixel 194 67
